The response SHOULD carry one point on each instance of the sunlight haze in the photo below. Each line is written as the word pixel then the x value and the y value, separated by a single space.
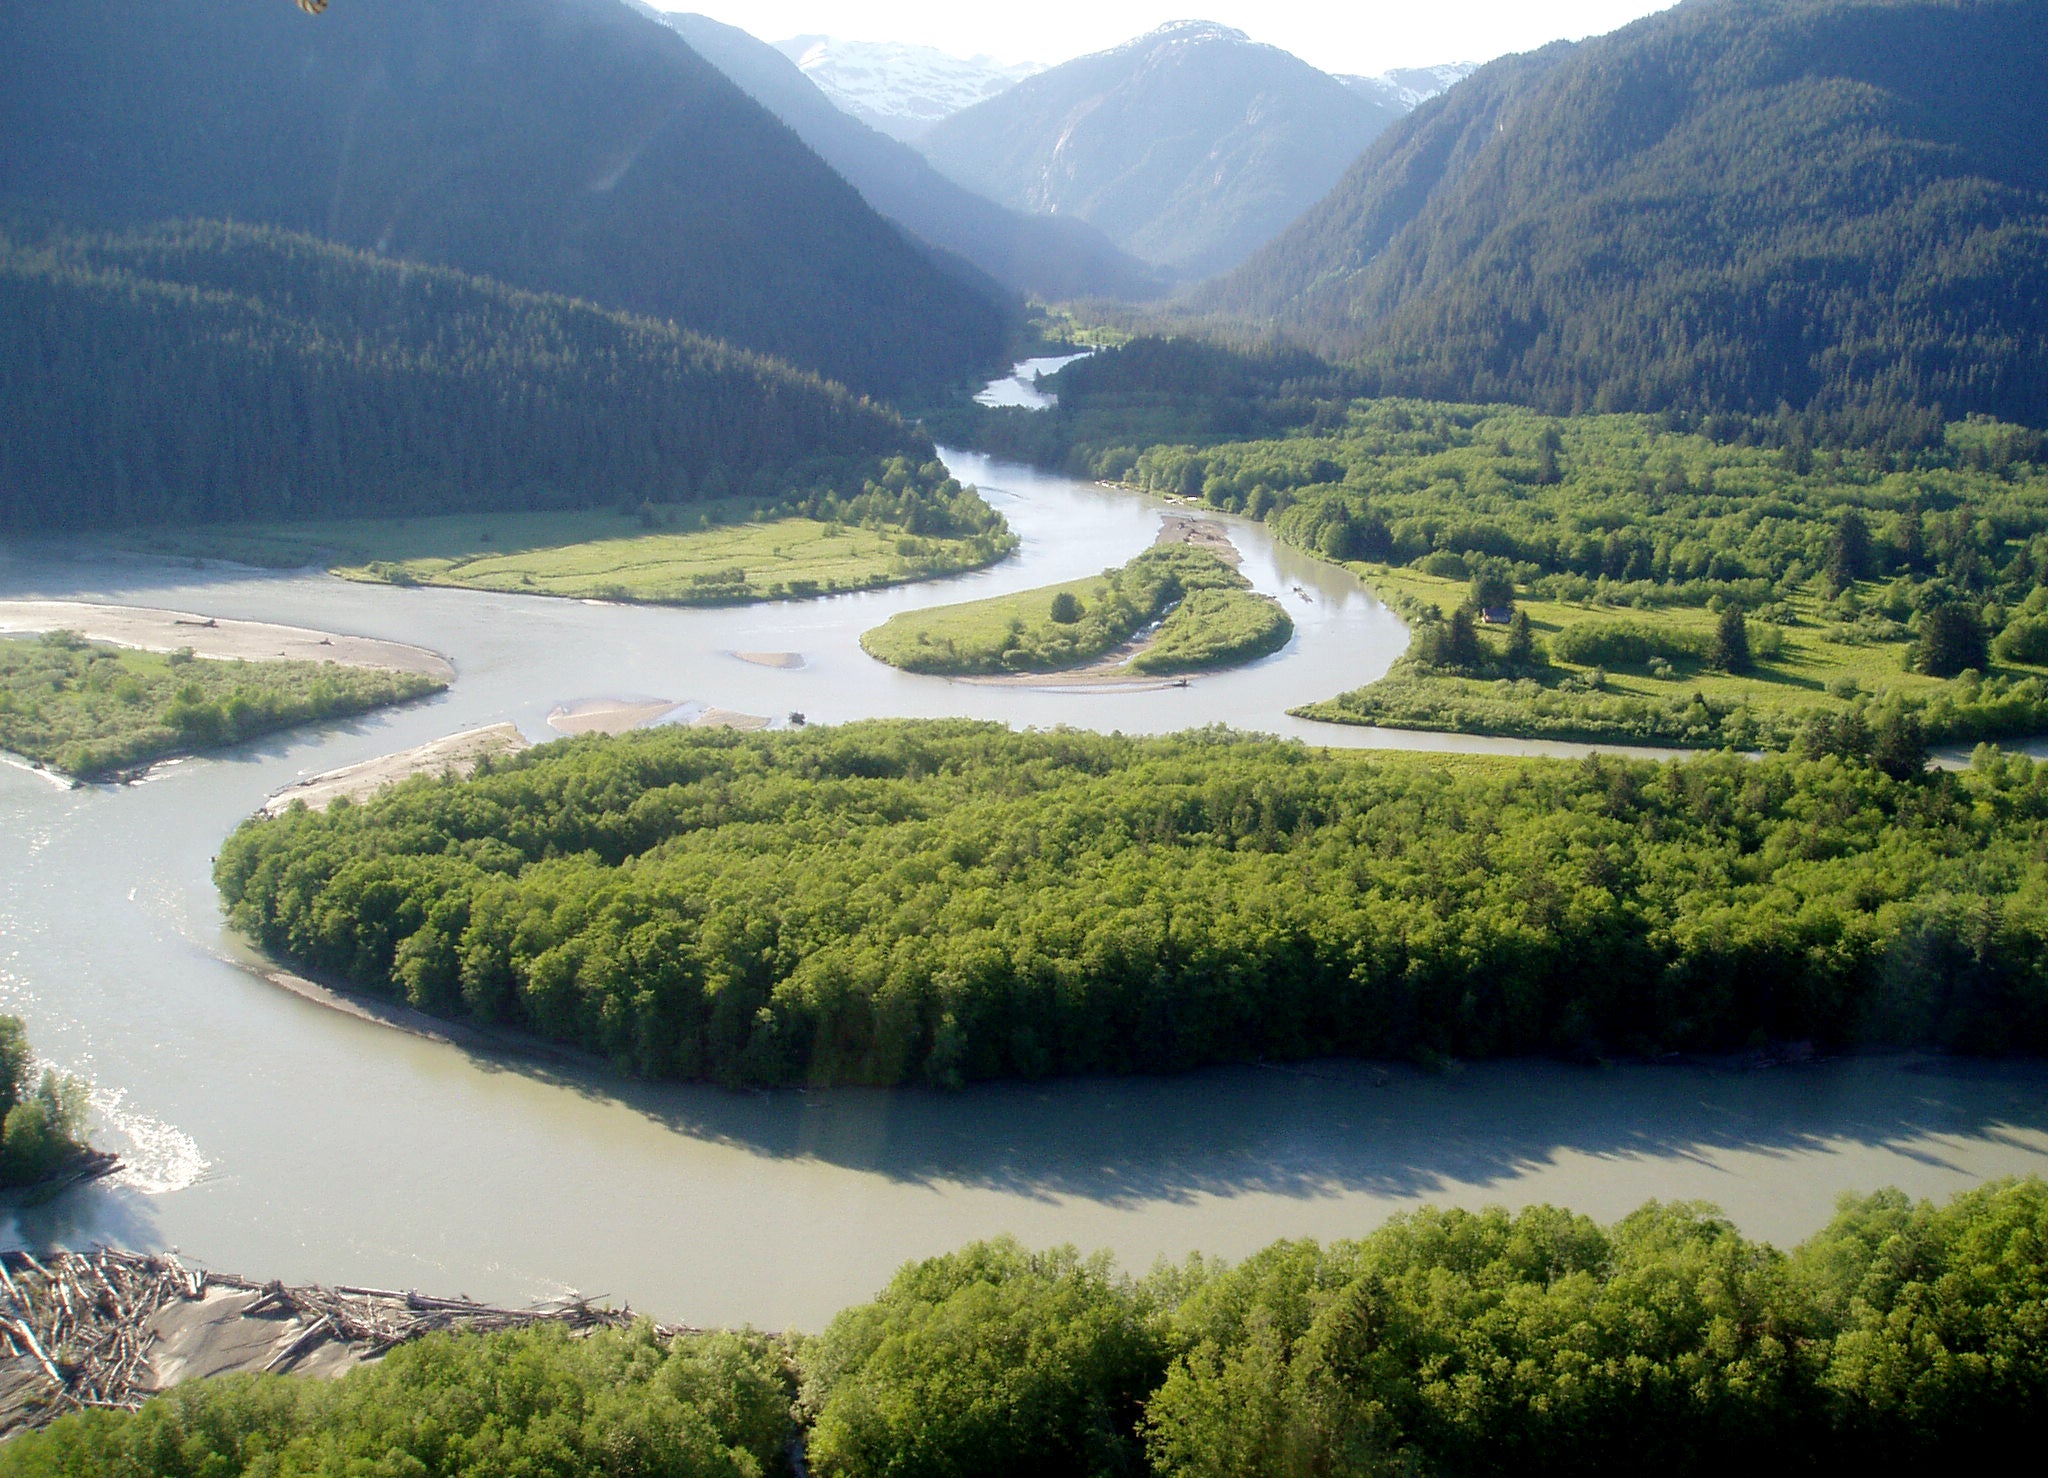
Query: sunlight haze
pixel 1336 38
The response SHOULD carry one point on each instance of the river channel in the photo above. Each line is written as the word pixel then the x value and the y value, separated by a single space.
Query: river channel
pixel 267 1135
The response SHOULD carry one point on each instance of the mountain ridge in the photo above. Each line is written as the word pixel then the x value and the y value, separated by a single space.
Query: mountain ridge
pixel 1824 204
pixel 1043 256
pixel 563 146
pixel 1189 146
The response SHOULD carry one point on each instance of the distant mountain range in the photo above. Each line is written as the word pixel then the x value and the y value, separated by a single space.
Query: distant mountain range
pixel 899 89
pixel 1190 147
pixel 1047 257
pixel 1839 205
pixel 570 146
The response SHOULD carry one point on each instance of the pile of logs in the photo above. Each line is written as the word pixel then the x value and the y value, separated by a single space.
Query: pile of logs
pixel 84 1318
pixel 83 1321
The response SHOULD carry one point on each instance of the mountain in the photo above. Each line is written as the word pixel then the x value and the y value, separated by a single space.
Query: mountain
pixel 206 372
pixel 1191 146
pixel 1048 257
pixel 1409 87
pixel 899 89
pixel 1830 204
pixel 561 145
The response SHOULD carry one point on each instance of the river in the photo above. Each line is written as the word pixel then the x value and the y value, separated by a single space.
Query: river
pixel 269 1136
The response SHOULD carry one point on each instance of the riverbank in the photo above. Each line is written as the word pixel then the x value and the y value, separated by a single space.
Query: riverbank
pixel 149 629
pixel 109 1329
pixel 457 754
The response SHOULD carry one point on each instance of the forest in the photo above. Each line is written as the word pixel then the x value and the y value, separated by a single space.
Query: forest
pixel 209 373
pixel 94 711
pixel 1900 1336
pixel 941 902
pixel 1200 611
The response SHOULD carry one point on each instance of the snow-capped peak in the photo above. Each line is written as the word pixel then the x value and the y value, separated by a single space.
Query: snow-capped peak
pixel 899 88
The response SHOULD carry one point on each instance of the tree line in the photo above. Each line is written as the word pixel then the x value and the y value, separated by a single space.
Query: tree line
pixel 939 902
pixel 1446 1344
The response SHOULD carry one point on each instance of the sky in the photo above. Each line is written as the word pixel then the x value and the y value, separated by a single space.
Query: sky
pixel 1332 34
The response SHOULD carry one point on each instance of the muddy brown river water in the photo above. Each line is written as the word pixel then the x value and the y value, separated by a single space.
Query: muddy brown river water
pixel 267 1135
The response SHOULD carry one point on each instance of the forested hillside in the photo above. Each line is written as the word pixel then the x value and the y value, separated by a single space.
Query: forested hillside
pixel 566 146
pixel 1730 205
pixel 212 373
pixel 1050 257
pixel 941 902
pixel 1191 146
pixel 1464 1344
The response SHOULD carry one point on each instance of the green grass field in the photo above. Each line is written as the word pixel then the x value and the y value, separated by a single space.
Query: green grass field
pixel 93 710
pixel 689 556
pixel 1814 669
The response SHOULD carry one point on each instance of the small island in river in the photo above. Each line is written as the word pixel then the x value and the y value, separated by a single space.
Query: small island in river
pixel 98 692
pixel 1181 606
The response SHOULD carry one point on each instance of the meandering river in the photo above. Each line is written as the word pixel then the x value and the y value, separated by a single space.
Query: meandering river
pixel 267 1135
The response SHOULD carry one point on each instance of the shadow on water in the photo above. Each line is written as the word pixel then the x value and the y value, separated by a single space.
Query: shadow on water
pixel 100 1211
pixel 1332 1128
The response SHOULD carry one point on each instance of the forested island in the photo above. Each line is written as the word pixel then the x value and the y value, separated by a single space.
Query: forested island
pixel 1445 1342
pixel 940 902
pixel 96 711
pixel 1889 580
pixel 1200 613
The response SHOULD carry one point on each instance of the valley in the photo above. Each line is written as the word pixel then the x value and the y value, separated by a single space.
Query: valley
pixel 1206 762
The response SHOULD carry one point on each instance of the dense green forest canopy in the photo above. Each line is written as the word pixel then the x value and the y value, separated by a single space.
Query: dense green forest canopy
pixel 93 710
pixel 564 146
pixel 945 901
pixel 213 373
pixel 1731 205
pixel 1448 1342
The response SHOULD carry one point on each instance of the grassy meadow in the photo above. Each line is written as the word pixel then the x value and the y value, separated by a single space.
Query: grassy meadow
pixel 666 555
pixel 1805 663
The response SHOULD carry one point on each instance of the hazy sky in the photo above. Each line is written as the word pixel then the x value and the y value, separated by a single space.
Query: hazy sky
pixel 1333 35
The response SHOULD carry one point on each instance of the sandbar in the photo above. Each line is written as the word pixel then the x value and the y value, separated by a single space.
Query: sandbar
pixel 608 715
pixel 1198 533
pixel 726 718
pixel 457 754
pixel 151 630
pixel 788 661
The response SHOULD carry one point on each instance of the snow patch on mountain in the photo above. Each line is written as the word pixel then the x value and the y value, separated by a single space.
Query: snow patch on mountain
pixel 899 88
pixel 1410 87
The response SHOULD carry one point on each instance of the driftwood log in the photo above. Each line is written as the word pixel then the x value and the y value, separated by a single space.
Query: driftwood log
pixel 77 1327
